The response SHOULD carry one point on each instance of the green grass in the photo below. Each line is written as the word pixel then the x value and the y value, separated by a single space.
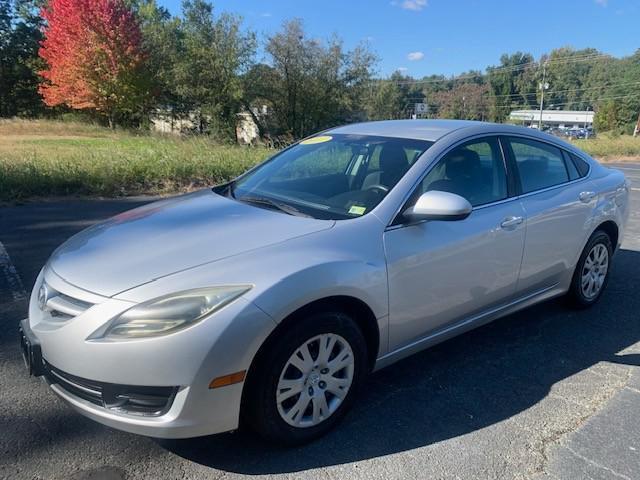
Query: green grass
pixel 47 158
pixel 606 147
pixel 40 158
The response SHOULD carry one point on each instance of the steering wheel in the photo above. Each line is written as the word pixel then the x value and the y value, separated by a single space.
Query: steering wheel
pixel 379 188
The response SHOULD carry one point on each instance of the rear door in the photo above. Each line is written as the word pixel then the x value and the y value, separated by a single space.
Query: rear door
pixel 557 200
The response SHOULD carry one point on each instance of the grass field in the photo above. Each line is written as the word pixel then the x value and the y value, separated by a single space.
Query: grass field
pixel 41 158
pixel 47 158
pixel 608 148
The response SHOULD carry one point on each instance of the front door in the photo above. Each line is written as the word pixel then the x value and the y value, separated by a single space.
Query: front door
pixel 441 272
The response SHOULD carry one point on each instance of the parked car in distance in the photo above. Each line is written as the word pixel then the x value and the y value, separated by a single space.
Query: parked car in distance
pixel 577 133
pixel 267 301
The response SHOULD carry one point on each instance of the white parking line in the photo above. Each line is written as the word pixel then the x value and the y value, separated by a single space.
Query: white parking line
pixel 9 273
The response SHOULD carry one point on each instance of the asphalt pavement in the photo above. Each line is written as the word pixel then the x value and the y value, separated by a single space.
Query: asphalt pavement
pixel 547 393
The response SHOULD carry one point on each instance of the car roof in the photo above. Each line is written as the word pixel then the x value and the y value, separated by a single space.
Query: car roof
pixel 430 130
pixel 433 130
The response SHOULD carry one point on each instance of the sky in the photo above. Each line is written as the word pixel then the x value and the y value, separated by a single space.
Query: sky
pixel 424 37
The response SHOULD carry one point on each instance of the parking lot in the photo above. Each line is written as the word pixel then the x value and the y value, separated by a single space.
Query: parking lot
pixel 547 393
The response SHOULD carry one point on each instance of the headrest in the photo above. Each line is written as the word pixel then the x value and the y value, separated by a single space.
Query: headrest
pixel 462 163
pixel 393 158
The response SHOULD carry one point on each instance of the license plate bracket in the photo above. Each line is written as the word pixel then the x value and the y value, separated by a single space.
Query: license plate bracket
pixel 31 350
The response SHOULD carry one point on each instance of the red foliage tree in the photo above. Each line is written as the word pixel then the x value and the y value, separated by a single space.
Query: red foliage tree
pixel 94 56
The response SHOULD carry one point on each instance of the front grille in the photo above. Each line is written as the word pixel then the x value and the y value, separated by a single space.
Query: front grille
pixel 59 306
pixel 129 399
pixel 62 305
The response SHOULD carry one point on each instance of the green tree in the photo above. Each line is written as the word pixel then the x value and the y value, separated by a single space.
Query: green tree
pixel 259 87
pixel 611 90
pixel 568 73
pixel 212 53
pixel 316 84
pixel 394 98
pixel 385 101
pixel 513 84
pixel 466 101
pixel 606 118
pixel 19 42
pixel 161 36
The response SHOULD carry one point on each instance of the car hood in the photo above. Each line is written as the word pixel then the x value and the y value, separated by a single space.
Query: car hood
pixel 168 236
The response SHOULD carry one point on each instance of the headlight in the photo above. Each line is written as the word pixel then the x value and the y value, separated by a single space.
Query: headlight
pixel 169 313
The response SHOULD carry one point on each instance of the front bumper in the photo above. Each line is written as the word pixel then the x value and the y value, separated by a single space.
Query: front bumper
pixel 192 413
pixel 184 362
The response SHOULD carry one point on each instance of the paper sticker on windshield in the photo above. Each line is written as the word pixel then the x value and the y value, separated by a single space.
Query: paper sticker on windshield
pixel 314 140
pixel 357 210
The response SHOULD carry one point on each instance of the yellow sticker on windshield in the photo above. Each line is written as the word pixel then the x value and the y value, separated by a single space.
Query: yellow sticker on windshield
pixel 314 140
pixel 357 210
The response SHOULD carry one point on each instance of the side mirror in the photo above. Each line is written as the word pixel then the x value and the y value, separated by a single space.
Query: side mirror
pixel 437 205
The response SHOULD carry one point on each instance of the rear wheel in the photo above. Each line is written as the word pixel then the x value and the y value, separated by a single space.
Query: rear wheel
pixel 592 271
pixel 307 378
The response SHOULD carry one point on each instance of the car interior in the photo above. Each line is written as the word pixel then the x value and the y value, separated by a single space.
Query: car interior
pixel 358 174
pixel 474 172
pixel 539 165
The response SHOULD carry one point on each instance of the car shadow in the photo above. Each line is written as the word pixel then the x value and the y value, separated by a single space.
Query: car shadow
pixel 463 385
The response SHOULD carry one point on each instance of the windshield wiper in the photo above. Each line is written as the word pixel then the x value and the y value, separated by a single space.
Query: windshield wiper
pixel 283 207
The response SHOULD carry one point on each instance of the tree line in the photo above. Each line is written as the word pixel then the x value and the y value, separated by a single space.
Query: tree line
pixel 122 61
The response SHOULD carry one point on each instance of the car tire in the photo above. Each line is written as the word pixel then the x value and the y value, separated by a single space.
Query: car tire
pixel 289 421
pixel 591 275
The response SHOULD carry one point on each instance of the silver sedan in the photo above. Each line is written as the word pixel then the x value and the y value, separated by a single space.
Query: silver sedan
pixel 267 301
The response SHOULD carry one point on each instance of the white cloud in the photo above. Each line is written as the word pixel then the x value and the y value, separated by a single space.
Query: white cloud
pixel 413 56
pixel 602 3
pixel 415 5
pixel 402 69
pixel 266 14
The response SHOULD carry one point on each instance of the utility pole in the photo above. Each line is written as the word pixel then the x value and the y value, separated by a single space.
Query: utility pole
pixel 543 86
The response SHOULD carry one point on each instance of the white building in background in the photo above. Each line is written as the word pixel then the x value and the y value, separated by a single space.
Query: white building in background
pixel 554 118
pixel 164 121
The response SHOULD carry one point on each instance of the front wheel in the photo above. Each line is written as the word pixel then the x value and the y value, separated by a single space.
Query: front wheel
pixel 592 271
pixel 307 379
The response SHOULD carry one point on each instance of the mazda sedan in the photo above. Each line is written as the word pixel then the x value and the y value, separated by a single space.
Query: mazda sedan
pixel 266 301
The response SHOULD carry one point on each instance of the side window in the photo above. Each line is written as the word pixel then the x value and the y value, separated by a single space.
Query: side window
pixel 474 170
pixel 571 167
pixel 539 165
pixel 581 165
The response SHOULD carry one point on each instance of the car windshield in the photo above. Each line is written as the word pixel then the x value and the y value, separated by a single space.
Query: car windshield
pixel 330 176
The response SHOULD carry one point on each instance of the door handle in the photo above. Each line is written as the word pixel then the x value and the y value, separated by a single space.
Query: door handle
pixel 510 222
pixel 586 197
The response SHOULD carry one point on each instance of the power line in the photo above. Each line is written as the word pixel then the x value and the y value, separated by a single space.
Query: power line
pixel 568 90
pixel 434 109
pixel 494 70
pixel 583 89
pixel 515 96
pixel 628 95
